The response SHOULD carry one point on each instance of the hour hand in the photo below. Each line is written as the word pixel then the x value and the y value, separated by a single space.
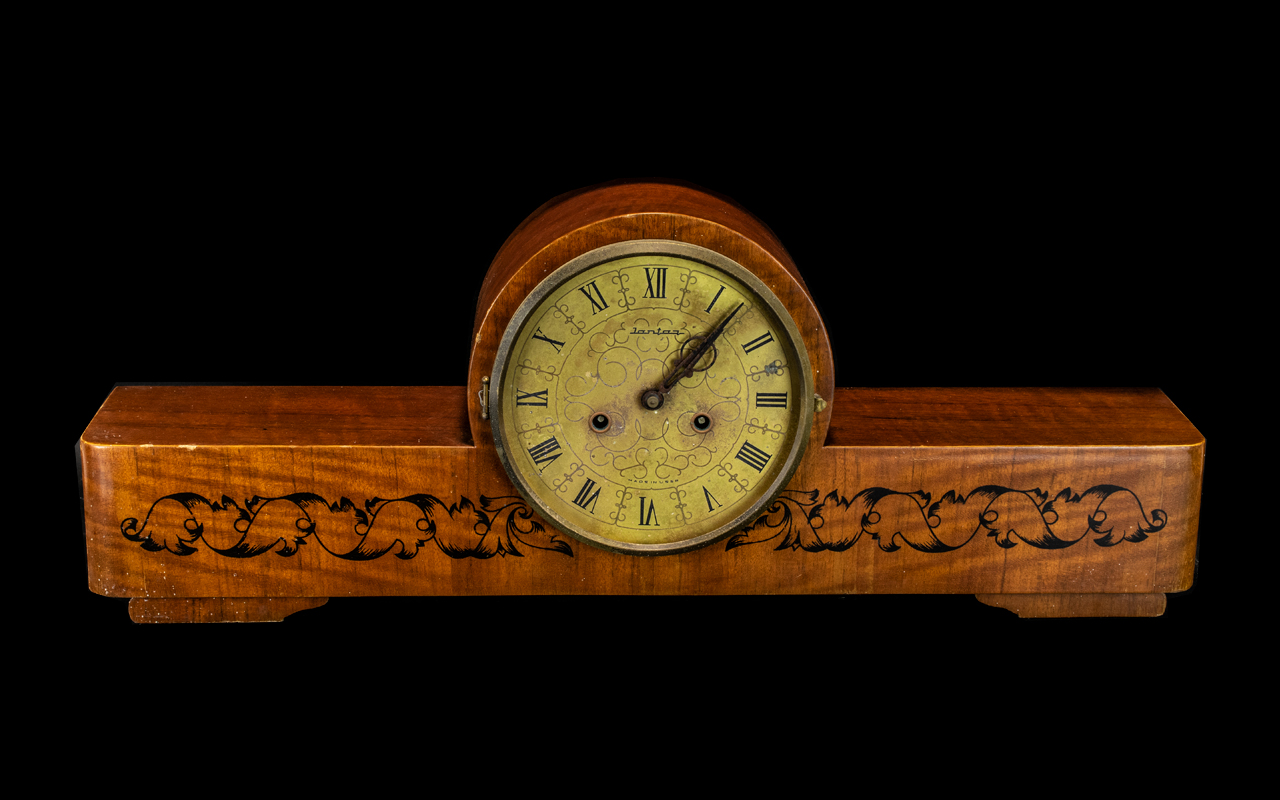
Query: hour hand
pixel 685 368
pixel 654 398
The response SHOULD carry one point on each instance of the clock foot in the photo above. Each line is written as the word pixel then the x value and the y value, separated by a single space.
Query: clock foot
pixel 1036 606
pixel 219 609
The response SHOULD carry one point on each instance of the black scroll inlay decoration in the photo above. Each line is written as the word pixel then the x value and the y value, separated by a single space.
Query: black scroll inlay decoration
pixel 795 520
pixel 500 526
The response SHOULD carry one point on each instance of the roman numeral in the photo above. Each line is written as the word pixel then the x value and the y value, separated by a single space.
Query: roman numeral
pixel 753 456
pixel 717 297
pixel 758 342
pixel 657 280
pixel 585 496
pixel 535 398
pixel 650 519
pixel 545 453
pixel 768 399
pixel 596 305
pixel 557 345
pixel 710 500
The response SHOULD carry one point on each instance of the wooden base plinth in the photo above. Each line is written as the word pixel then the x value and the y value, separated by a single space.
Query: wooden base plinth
pixel 219 609
pixel 1041 606
pixel 1048 502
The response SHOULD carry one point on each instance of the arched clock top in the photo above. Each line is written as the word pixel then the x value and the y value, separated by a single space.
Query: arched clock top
pixel 580 222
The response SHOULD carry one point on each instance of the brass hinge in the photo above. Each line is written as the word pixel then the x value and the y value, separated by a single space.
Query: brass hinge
pixel 483 394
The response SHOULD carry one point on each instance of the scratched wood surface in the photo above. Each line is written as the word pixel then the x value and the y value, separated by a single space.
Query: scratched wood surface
pixel 436 416
pixel 285 492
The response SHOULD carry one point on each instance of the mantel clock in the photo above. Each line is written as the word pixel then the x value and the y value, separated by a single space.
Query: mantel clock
pixel 650 409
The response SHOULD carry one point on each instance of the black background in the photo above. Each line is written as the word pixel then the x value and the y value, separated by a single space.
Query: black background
pixel 964 251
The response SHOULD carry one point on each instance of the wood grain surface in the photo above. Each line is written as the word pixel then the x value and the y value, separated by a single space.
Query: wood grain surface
pixel 285 492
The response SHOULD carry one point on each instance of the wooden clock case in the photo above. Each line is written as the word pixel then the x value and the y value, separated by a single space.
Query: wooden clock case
pixel 904 490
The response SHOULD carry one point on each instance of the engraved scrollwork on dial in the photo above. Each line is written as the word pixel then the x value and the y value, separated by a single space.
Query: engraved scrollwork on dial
pixel 548 426
pixel 775 367
pixel 756 426
pixel 621 370
pixel 739 484
pixel 688 283
pixel 547 373
pixel 564 313
pixel 651 397
pixel 602 341
pixel 562 483
pixel 682 509
pixel 622 282
pixel 619 515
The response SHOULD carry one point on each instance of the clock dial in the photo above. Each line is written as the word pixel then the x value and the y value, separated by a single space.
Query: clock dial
pixel 652 397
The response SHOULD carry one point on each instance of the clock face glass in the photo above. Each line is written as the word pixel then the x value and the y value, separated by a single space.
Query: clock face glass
pixel 583 441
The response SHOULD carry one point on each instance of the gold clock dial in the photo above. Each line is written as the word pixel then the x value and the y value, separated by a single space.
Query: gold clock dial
pixel 651 397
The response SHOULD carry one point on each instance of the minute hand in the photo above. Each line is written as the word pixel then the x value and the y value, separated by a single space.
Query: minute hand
pixel 685 367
